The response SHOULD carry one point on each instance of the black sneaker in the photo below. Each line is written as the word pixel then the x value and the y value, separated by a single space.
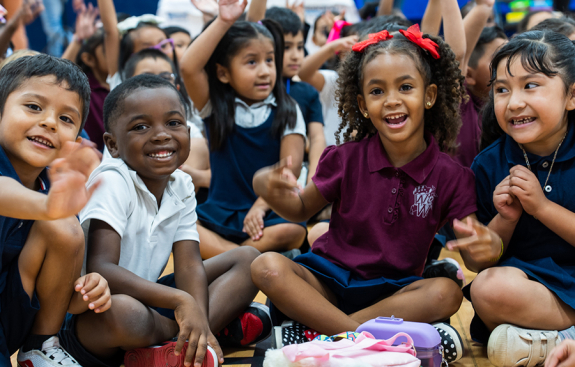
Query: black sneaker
pixel 450 341
pixel 251 327
pixel 292 332
pixel 446 268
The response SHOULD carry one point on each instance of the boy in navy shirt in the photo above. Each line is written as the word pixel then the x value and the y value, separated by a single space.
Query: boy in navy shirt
pixel 44 103
pixel 304 94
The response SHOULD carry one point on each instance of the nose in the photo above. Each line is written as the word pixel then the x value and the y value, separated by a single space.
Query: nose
pixel 161 135
pixel 50 122
pixel 264 70
pixel 392 100
pixel 516 101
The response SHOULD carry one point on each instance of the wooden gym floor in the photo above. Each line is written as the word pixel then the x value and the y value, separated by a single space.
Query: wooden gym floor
pixel 475 356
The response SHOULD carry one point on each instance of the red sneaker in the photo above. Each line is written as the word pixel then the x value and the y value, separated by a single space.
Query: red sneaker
pixel 251 327
pixel 163 356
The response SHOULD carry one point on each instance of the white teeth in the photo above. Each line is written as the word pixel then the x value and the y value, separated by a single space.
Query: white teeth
pixel 395 117
pixel 42 141
pixel 160 155
pixel 522 121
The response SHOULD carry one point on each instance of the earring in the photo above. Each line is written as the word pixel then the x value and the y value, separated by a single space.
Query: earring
pixel 365 114
pixel 428 104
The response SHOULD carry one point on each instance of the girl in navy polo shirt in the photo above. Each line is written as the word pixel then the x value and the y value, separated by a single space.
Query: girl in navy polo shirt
pixel 524 194
pixel 231 71
pixel 392 188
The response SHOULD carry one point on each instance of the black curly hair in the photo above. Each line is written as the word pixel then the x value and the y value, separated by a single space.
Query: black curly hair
pixel 442 120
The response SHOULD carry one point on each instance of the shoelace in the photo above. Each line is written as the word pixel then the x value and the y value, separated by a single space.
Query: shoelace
pixel 59 355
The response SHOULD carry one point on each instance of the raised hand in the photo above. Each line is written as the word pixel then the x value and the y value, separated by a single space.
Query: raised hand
pixel 68 175
pixel 344 44
pixel 481 243
pixel 527 188
pixel 94 289
pixel 277 180
pixel 231 10
pixel 86 21
pixel 298 8
pixel 207 7
pixel 508 206
pixel 30 10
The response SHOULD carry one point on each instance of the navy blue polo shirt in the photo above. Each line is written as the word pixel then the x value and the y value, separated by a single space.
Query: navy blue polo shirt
pixel 307 98
pixel 531 239
pixel 13 232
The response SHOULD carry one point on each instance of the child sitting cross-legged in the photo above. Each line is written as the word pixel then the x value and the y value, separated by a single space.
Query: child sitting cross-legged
pixel 144 210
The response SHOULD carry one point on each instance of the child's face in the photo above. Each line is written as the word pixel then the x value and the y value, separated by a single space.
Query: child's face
pixel 531 108
pixel 479 77
pixel 293 54
pixel 394 96
pixel 320 33
pixel 181 42
pixel 158 67
pixel 151 135
pixel 252 72
pixel 147 37
pixel 38 118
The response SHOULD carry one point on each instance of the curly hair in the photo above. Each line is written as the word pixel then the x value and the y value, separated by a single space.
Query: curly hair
pixel 442 120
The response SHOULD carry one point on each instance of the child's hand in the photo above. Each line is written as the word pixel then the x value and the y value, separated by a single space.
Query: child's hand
pixel 277 180
pixel 208 7
pixel 30 10
pixel 94 289
pixel 298 8
pixel 344 44
pixel 527 188
pixel 86 21
pixel 231 10
pixel 481 243
pixel 508 206
pixel 254 222
pixel 68 175
pixel 563 355
pixel 194 327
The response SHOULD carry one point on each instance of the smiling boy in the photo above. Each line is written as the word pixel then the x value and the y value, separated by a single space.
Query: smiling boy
pixel 43 105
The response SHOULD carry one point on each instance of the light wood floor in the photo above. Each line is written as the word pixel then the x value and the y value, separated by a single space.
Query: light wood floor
pixel 476 355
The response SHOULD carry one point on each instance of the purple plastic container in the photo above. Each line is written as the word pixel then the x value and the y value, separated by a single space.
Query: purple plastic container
pixel 425 337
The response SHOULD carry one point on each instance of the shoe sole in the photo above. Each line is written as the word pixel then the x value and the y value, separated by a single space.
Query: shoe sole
pixel 266 310
pixel 164 356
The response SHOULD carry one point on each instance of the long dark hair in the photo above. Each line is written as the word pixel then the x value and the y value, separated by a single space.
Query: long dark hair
pixel 548 53
pixel 222 95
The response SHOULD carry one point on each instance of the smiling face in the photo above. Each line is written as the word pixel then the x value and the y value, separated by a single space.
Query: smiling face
pixel 293 54
pixel 395 96
pixel 531 108
pixel 252 72
pixel 151 134
pixel 38 118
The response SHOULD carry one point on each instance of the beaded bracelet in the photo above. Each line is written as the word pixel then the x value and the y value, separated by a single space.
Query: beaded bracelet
pixel 500 254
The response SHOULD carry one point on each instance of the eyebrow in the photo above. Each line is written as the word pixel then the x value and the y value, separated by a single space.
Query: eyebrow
pixel 45 100
pixel 522 78
pixel 174 112
pixel 398 79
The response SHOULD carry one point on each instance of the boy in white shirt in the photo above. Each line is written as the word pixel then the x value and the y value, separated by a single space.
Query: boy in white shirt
pixel 143 211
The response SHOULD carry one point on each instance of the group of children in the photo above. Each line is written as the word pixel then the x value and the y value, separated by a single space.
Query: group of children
pixel 85 240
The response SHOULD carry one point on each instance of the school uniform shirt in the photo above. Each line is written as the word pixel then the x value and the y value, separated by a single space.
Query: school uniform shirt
pixel 307 99
pixel 14 232
pixel 470 134
pixel 331 118
pixel 147 233
pixel 95 121
pixel 384 218
pixel 258 113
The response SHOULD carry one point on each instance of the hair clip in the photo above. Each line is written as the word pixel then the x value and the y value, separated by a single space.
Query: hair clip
pixel 372 39
pixel 335 32
pixel 3 13
pixel 132 22
pixel 416 36
pixel 260 22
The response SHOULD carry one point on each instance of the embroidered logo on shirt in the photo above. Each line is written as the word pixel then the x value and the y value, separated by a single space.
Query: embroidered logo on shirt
pixel 423 198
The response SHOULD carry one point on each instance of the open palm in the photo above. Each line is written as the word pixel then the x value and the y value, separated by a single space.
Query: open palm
pixel 231 10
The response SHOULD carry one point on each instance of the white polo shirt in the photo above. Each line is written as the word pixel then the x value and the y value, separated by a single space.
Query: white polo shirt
pixel 147 233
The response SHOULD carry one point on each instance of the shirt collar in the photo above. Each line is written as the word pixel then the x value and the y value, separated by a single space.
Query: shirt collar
pixel 270 100
pixel 515 154
pixel 418 169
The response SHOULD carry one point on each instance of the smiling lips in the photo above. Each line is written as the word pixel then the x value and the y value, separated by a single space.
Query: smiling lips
pixel 396 119
pixel 161 154
pixel 522 121
pixel 40 140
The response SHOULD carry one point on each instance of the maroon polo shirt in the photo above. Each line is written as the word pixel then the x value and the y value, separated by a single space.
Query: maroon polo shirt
pixel 95 122
pixel 470 134
pixel 384 218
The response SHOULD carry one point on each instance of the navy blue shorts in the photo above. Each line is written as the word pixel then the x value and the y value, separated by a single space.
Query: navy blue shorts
pixel 69 340
pixel 17 312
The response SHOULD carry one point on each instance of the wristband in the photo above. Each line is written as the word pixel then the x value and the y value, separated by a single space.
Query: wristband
pixel 500 254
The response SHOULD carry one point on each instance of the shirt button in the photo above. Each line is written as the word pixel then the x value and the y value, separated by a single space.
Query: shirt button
pixel 396 173
pixel 548 188
pixel 389 210
pixel 393 191
pixel 545 164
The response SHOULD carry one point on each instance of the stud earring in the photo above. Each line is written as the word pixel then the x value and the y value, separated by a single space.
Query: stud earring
pixel 428 104
pixel 366 115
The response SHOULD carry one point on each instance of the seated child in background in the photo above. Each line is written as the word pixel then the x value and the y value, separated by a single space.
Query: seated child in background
pixel 181 37
pixel 304 94
pixel 43 104
pixel 403 102
pixel 144 210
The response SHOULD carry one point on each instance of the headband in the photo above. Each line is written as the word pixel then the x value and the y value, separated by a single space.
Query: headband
pixel 132 22
pixel 412 33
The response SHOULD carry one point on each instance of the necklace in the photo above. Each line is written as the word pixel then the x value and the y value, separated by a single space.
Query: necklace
pixel 552 162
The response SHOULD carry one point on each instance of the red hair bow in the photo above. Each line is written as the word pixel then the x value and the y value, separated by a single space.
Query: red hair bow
pixel 372 39
pixel 416 36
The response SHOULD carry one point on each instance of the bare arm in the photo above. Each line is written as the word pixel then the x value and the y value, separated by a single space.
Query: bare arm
pixel 85 28
pixel 474 23
pixel 111 34
pixel 190 273
pixel 453 29
pixel 257 10
pixel 25 15
pixel 385 7
pixel 317 145
pixel 431 21
pixel 16 201
pixel 198 163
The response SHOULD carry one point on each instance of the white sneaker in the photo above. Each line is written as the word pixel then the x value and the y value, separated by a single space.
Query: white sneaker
pixel 514 346
pixel 52 354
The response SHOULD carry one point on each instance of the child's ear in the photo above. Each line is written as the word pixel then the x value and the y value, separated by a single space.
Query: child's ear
pixel 430 96
pixel 470 76
pixel 88 59
pixel 111 144
pixel 571 99
pixel 362 105
pixel 223 74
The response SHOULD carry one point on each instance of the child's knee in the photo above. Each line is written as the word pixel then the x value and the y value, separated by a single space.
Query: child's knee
pixel 267 269
pixel 444 293
pixel 245 255
pixel 65 236
pixel 493 289
pixel 128 318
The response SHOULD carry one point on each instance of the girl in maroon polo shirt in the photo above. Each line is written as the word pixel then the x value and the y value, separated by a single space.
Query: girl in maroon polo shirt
pixel 392 188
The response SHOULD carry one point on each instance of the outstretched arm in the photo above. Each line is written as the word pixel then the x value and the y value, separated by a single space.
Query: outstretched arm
pixel 25 15
pixel 85 28
pixel 453 29
pixel 385 7
pixel 431 21
pixel 197 55
pixel 474 23
pixel 111 34
pixel 257 10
